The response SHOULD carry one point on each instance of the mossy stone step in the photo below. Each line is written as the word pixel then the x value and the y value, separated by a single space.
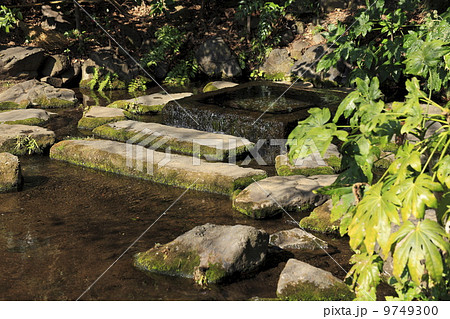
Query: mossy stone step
pixel 98 116
pixel 212 146
pixel 25 117
pixel 24 139
pixel 171 169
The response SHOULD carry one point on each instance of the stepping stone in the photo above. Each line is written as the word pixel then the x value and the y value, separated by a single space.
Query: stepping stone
pixel 207 253
pixel 26 117
pixel 301 281
pixel 152 103
pixel 171 169
pixel 98 116
pixel 320 219
pixel 214 147
pixel 10 173
pixel 297 238
pixel 37 94
pixel 313 164
pixel 217 85
pixel 263 199
pixel 24 139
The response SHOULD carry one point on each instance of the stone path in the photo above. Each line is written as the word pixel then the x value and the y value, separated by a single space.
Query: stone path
pixel 214 147
pixel 98 116
pixel 22 139
pixel 170 169
pixel 26 117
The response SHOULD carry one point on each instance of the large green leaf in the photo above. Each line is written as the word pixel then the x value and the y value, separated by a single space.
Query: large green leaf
pixel 428 56
pixel 443 172
pixel 373 218
pixel 416 193
pixel 347 106
pixel 365 275
pixel 417 249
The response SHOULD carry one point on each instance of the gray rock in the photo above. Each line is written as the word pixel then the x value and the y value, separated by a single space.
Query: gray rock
pixel 208 253
pixel 38 94
pixel 98 116
pixel 54 20
pixel 20 62
pixel 10 173
pixel 54 65
pixel 108 59
pixel 24 139
pixel 320 219
pixel 305 67
pixel 216 60
pixel 269 197
pixel 313 164
pixel 166 168
pixel 296 48
pixel 29 116
pixel 297 238
pixel 301 281
pixel 277 64
pixel 212 146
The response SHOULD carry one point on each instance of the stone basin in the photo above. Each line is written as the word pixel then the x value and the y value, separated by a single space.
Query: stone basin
pixel 246 111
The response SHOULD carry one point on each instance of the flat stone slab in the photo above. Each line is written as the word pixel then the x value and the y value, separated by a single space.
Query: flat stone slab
pixel 10 173
pixel 212 146
pixel 145 104
pixel 26 117
pixel 263 199
pixel 24 139
pixel 207 253
pixel 301 281
pixel 171 169
pixel 38 94
pixel 296 238
pixel 314 164
pixel 218 85
pixel 99 115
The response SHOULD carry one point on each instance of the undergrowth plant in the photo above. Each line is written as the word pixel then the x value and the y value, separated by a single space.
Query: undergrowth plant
pixel 26 144
pixel 9 18
pixel 368 205
pixel 102 80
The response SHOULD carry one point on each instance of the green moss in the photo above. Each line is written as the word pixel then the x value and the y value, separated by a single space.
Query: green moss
pixel 215 273
pixel 118 85
pixel 390 147
pixel 310 292
pixel 32 121
pixel 319 220
pixel 280 76
pixel 209 88
pixel 16 147
pixel 285 170
pixel 90 123
pixel 47 103
pixel 243 182
pixel 334 162
pixel 135 108
pixel 84 84
pixel 13 105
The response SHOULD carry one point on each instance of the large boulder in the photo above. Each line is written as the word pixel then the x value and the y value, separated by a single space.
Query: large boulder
pixel 277 65
pixel 24 139
pixel 305 67
pixel 216 60
pixel 10 173
pixel 37 94
pixel 20 62
pixel 296 48
pixel 301 281
pixel 208 253
pixel 273 195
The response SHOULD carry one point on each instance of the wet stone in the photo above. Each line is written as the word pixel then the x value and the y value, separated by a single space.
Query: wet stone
pixel 297 238
pixel 171 169
pixel 26 117
pixel 98 116
pixel 10 173
pixel 213 147
pixel 24 139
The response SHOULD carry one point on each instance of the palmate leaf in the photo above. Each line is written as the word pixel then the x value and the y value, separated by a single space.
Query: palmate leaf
pixel 416 194
pixel 443 172
pixel 347 106
pixel 426 57
pixel 365 275
pixel 373 218
pixel 417 248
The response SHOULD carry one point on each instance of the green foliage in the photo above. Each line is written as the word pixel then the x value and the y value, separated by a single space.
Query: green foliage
pixel 389 45
pixel 9 18
pixel 158 7
pixel 101 80
pixel 369 204
pixel 138 84
pixel 169 41
pixel 26 144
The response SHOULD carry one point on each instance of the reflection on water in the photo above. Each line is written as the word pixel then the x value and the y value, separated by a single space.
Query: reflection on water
pixel 70 223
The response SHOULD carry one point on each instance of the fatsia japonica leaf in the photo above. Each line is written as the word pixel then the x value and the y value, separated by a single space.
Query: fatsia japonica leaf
pixel 417 248
pixel 373 218
pixel 416 193
pixel 407 161
pixel 365 275
pixel 347 106
pixel 443 171
pixel 428 56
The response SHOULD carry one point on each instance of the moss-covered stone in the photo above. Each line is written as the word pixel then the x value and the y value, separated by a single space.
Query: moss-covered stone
pixel 284 168
pixel 13 105
pixel 53 103
pixel 320 220
pixel 309 292
pixel 90 123
pixel 32 121
pixel 84 84
pixel 179 171
pixel 135 108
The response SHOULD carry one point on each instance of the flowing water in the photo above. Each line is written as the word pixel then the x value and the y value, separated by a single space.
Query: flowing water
pixel 69 224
